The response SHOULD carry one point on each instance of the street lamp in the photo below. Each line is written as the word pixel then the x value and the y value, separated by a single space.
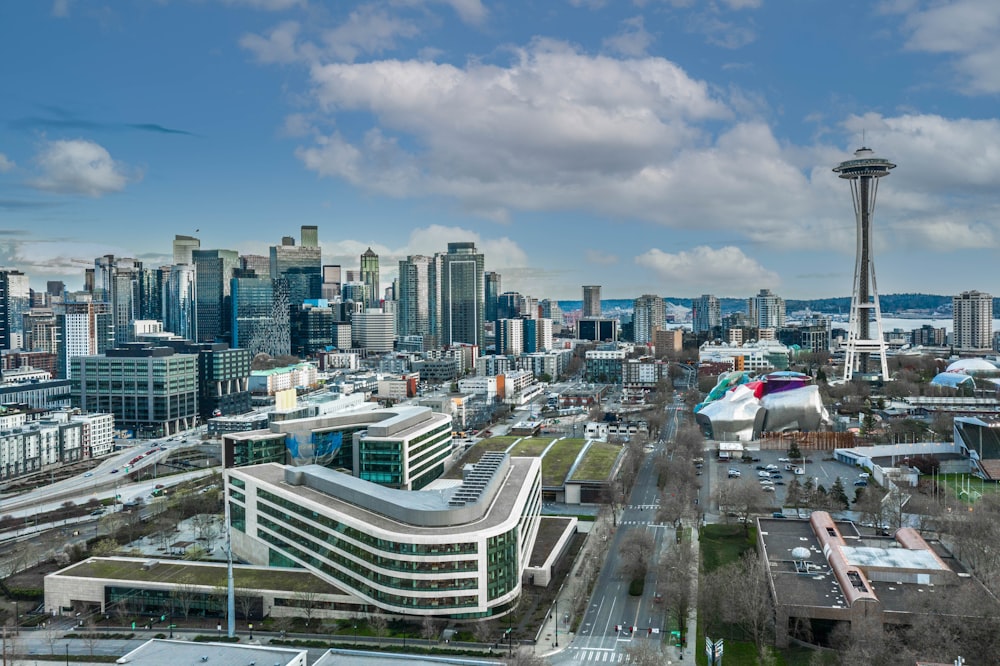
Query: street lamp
pixel 355 633
pixel 250 626
pixel 556 644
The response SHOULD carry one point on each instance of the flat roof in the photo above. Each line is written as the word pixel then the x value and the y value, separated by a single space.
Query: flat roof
pixel 159 651
pixel 498 512
pixel 891 558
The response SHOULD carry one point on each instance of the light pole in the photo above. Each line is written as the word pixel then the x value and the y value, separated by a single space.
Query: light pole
pixel 556 643
pixel 250 626
pixel 355 633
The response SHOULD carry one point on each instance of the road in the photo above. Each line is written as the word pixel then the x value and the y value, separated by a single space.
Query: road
pixel 615 620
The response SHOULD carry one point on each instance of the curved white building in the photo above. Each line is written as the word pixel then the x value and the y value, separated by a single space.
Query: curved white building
pixel 456 553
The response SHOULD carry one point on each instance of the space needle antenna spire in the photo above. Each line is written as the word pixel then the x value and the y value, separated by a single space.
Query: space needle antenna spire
pixel 864 172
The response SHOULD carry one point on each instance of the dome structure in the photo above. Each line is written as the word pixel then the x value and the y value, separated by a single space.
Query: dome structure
pixel 972 366
pixel 801 553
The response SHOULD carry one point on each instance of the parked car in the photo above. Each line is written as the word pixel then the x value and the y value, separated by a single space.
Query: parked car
pixel 777 514
pixel 760 467
pixel 768 489
pixel 784 459
pixel 861 483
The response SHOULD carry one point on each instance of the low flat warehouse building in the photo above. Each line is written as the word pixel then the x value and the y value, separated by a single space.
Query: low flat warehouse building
pixel 454 553
pixel 824 574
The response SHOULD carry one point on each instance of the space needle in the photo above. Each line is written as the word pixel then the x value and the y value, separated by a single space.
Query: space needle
pixel 864 172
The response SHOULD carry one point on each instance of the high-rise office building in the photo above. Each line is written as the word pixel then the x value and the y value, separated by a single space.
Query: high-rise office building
pixel 529 307
pixel 592 300
pixel 118 283
pixel 508 305
pixel 311 329
pixel 550 310
pixel 15 301
pixel 369 275
pixel 300 266
pixel 766 310
pixel 374 330
pixel 260 314
pixel 706 314
pixel 461 295
pixel 258 263
pixel 180 302
pixel 972 319
pixel 864 172
pixel 415 295
pixel 492 280
pixel 648 314
pixel 330 289
pixel 183 247
pixel 309 235
pixel 213 273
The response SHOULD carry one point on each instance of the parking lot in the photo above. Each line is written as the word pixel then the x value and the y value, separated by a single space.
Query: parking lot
pixel 818 466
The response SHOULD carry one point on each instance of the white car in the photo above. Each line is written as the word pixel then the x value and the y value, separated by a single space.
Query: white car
pixel 768 489
pixel 784 460
pixel 767 483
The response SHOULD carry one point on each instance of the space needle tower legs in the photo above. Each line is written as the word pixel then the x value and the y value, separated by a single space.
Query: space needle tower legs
pixel 864 172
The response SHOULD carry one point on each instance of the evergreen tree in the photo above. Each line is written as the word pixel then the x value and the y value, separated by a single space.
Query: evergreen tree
pixel 793 450
pixel 793 495
pixel 837 494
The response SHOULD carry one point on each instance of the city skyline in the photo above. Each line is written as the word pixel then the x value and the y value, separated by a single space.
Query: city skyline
pixel 686 150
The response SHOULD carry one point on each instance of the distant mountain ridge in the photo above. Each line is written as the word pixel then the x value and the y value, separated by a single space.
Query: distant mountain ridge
pixel 930 305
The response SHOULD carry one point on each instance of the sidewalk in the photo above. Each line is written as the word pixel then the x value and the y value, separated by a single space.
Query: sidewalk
pixel 555 634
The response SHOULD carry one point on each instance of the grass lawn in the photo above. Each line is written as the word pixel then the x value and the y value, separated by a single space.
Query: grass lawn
pixel 956 485
pixel 531 446
pixel 598 462
pixel 200 574
pixel 722 544
pixel 556 463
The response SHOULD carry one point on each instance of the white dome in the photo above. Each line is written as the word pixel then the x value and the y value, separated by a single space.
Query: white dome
pixel 801 553
pixel 971 365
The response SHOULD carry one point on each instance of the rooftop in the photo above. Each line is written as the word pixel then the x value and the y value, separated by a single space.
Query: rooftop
pixel 158 651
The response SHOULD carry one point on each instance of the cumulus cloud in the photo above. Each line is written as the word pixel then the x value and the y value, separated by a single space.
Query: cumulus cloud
pixel 78 166
pixel 470 11
pixel 367 30
pixel 6 164
pixel 278 46
pixel 967 30
pixel 723 269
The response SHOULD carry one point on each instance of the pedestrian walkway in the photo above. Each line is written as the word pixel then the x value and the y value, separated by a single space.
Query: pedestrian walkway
pixel 555 633
pixel 596 655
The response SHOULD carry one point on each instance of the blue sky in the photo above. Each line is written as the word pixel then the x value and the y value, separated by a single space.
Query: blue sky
pixel 674 147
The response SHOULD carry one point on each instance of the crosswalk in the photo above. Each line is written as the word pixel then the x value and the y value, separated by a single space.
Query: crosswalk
pixel 605 656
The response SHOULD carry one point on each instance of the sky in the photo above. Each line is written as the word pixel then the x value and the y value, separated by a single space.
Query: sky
pixel 671 147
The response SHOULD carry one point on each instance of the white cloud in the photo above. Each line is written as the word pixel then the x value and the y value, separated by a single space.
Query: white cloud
pixel 266 5
pixel 725 269
pixel 6 164
pixel 601 258
pixel 60 8
pixel 632 39
pixel 79 166
pixel 279 46
pixel 966 29
pixel 470 11
pixel 367 30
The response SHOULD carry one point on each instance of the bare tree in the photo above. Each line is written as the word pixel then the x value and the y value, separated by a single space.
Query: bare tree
pixel 305 598
pixel 748 603
pixel 870 644
pixel 430 628
pixel 246 600
pixel 104 547
pixel 379 623
pixel 677 569
pixel 485 631
pixel 90 636
pixel 635 552
pixel 183 597
pixel 646 653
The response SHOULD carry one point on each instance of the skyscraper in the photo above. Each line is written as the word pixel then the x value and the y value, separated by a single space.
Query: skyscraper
pixel 648 314
pixel 330 289
pixel 461 296
pixel 15 301
pixel 84 329
pixel 260 314
pixel 972 317
pixel 508 305
pixel 492 280
pixel 300 266
pixel 213 272
pixel 119 284
pixel 180 302
pixel 309 235
pixel 414 314
pixel 706 314
pixel 369 275
pixel 864 172
pixel 510 337
pixel 592 300
pixel 183 247
pixel 766 310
